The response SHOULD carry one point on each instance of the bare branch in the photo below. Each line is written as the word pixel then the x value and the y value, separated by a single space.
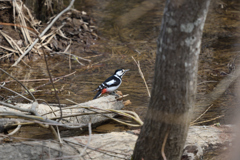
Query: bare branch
pixel 71 55
pixel 141 74
pixel 19 83
pixel 89 139
pixel 1 86
pixel 14 107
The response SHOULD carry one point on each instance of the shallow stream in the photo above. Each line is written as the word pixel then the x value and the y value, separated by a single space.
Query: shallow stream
pixel 130 28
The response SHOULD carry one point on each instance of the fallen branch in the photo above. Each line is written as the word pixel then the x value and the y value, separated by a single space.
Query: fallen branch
pixel 71 55
pixel 191 123
pixel 89 139
pixel 16 129
pixel 19 83
pixel 1 86
pixel 114 145
pixel 36 118
pixel 209 120
pixel 44 79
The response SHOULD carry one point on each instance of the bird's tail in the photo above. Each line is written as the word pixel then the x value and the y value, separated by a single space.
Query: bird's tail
pixel 98 94
pixel 97 89
pixel 94 90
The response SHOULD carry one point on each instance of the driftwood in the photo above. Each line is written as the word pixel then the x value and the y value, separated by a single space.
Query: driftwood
pixel 114 146
pixel 75 115
pixel 103 146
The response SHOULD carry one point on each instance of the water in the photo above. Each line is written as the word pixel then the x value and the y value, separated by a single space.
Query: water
pixel 120 39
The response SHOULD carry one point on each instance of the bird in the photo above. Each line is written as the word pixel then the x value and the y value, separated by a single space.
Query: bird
pixel 111 84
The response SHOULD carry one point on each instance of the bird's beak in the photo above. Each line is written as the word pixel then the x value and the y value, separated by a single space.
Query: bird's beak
pixel 125 70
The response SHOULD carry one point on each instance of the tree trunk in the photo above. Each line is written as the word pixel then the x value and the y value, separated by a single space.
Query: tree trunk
pixel 174 86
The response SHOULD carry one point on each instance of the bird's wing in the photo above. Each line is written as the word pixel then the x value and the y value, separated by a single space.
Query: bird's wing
pixel 111 82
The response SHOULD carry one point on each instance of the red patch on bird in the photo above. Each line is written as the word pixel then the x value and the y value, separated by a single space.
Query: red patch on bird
pixel 104 91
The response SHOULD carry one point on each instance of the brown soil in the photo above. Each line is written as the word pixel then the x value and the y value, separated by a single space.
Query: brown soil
pixel 78 28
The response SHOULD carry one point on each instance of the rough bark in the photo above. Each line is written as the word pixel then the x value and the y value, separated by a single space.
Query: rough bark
pixel 174 86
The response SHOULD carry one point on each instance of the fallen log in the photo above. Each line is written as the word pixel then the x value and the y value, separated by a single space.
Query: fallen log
pixel 202 140
pixel 80 114
pixel 114 146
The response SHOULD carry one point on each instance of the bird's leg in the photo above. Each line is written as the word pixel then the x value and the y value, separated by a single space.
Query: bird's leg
pixel 114 94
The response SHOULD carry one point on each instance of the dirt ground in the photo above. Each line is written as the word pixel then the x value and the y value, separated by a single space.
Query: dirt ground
pixel 77 27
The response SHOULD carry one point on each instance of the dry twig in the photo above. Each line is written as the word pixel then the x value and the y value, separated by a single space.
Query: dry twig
pixel 141 74
pixel 43 33
pixel 16 129
pixel 89 138
pixel 193 122
pixel 163 145
pixel 209 120
pixel 1 86
pixel 19 83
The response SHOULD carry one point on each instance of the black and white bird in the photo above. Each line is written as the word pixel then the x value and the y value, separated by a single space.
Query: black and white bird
pixel 111 84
